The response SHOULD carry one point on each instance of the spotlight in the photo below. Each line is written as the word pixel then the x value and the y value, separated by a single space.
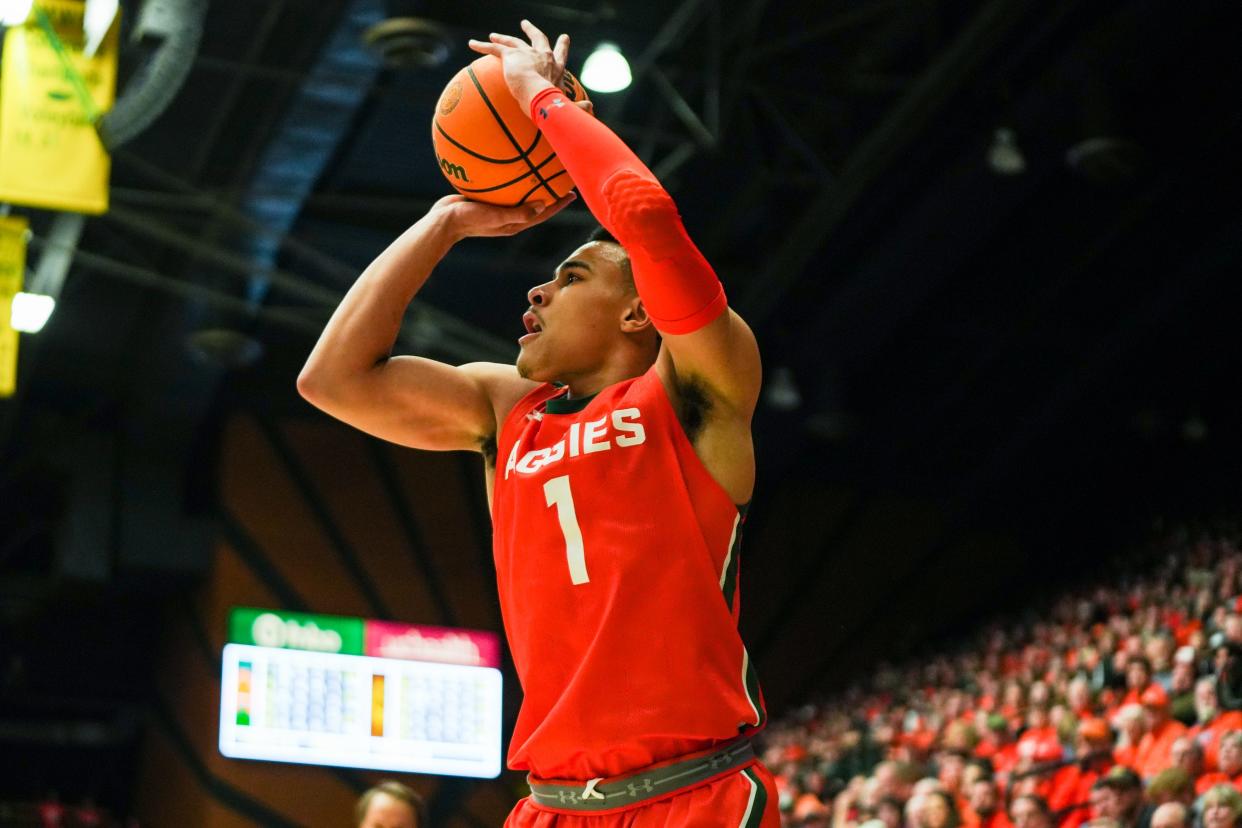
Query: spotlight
pixel 1004 157
pixel 30 312
pixel 606 69
pixel 15 12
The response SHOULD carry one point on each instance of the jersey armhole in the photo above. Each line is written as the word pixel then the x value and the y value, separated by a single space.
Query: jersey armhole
pixel 680 436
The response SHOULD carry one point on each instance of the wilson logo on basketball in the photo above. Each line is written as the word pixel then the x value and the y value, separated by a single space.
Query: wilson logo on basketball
pixel 450 98
pixel 452 170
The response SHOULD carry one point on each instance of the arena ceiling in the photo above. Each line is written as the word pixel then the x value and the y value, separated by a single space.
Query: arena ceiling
pixel 984 379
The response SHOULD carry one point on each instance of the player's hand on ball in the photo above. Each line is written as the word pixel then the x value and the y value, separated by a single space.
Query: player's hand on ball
pixel 529 67
pixel 474 218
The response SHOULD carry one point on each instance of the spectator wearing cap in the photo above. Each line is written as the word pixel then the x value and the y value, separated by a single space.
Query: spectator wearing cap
pixel 1071 788
pixel 1131 725
pixel 1230 764
pixel 1156 745
pixel 1030 811
pixel 1221 807
pixel 1121 798
pixel 1171 815
pixel 998 745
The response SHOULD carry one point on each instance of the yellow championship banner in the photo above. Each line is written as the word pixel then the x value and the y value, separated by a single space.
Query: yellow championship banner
pixel 12 270
pixel 50 96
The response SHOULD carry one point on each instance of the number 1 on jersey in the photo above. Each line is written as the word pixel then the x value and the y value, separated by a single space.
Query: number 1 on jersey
pixel 557 493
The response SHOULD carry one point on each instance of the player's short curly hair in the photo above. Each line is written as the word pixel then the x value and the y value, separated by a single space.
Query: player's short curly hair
pixel 601 234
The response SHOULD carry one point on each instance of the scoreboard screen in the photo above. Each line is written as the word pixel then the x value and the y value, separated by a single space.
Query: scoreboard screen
pixel 328 690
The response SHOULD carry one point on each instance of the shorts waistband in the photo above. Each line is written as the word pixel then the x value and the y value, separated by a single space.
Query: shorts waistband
pixel 640 786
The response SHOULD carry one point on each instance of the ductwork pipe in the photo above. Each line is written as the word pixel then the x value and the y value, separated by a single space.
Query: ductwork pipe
pixel 178 26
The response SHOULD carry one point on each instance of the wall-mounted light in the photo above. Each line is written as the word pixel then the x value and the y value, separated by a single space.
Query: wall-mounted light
pixel 30 311
pixel 1004 156
pixel 606 69
pixel 15 12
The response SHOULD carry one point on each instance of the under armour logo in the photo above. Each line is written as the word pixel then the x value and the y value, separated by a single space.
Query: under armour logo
pixel 642 787
pixel 535 415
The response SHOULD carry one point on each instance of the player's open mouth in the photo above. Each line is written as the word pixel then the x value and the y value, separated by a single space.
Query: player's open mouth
pixel 533 326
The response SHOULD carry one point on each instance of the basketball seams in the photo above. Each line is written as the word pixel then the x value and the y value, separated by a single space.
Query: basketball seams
pixel 480 156
pixel 505 129
pixel 531 191
pixel 512 181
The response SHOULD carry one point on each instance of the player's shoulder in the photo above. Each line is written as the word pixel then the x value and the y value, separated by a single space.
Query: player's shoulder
pixel 501 383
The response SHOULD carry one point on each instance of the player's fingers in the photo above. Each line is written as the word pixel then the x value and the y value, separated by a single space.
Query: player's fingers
pixel 586 106
pixel 485 48
pixel 555 207
pixel 506 40
pixel 537 38
pixel 561 52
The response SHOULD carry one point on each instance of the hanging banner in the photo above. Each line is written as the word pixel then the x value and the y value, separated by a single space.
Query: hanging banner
pixel 12 270
pixel 50 95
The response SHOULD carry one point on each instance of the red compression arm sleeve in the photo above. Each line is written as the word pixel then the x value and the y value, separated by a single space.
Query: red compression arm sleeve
pixel 677 285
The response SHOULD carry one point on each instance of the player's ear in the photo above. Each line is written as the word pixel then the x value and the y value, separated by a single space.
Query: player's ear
pixel 634 317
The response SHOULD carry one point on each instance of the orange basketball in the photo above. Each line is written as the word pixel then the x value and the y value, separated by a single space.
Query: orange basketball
pixel 487 147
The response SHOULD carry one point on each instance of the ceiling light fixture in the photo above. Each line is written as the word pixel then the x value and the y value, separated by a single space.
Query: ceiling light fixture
pixel 30 311
pixel 1004 157
pixel 15 12
pixel 606 69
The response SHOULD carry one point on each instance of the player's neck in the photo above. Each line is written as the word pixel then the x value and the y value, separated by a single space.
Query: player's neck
pixel 621 367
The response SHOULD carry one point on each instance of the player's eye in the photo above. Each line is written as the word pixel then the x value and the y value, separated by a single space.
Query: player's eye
pixel 570 278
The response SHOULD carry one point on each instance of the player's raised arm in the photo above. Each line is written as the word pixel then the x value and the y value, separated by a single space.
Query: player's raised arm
pixel 680 290
pixel 411 400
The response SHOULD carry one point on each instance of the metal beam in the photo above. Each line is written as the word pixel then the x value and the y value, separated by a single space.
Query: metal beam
pixel 469 342
pixel 880 148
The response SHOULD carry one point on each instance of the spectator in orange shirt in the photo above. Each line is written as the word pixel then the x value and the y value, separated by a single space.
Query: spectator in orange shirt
pixel 1138 679
pixel 1078 697
pixel 1071 788
pixel 1230 772
pixel 1156 745
pixel 1213 724
pixel 1132 725
pixel 983 806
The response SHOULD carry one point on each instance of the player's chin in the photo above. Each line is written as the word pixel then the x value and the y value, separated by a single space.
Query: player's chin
pixel 530 366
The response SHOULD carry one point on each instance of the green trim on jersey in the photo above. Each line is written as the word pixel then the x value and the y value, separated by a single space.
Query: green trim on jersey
pixel 729 583
pixel 565 405
pixel 750 681
pixel 758 803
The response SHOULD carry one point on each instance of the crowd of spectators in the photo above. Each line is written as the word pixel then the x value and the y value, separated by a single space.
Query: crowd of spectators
pixel 1115 705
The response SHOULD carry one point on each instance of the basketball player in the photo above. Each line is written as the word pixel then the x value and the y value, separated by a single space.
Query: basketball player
pixel 618 459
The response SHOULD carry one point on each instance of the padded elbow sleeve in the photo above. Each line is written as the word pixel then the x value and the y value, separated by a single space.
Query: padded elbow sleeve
pixel 678 287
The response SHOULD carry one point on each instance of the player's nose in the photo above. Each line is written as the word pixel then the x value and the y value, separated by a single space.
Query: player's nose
pixel 538 295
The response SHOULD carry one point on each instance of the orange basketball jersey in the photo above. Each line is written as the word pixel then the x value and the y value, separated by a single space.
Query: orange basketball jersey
pixel 617 564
